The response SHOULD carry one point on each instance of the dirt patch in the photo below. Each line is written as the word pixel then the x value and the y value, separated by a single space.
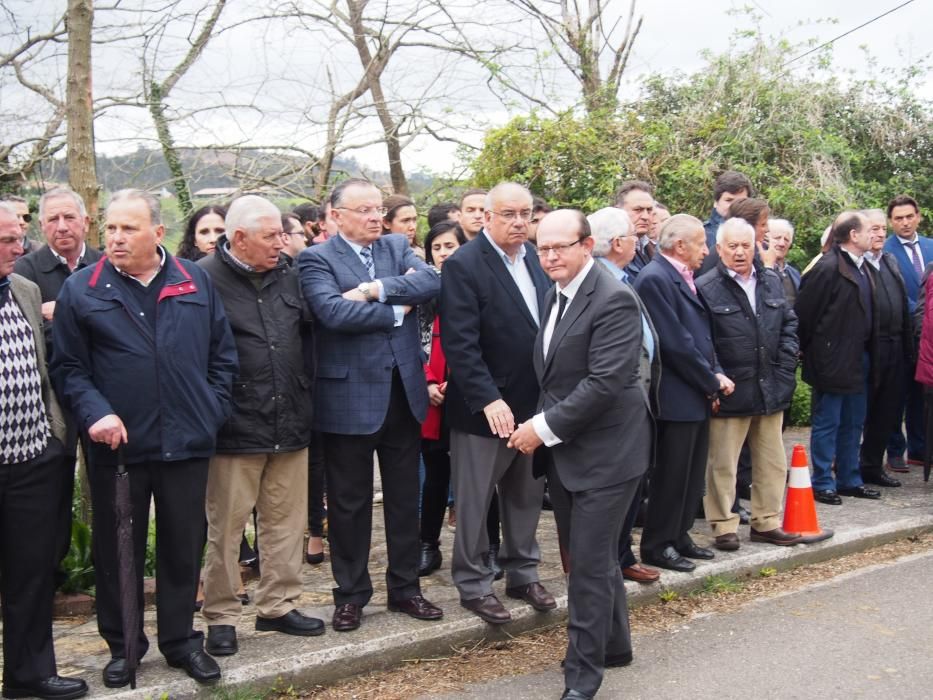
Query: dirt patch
pixel 536 651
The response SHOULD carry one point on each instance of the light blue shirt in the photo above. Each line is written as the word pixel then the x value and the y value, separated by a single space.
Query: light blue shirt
pixel 647 339
pixel 399 311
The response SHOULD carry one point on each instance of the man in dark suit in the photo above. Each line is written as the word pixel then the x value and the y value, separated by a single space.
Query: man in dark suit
pixel 692 378
pixel 493 288
pixel 593 414
pixel 912 253
pixel 370 396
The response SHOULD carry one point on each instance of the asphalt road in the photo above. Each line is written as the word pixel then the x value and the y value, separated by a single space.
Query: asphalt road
pixel 866 634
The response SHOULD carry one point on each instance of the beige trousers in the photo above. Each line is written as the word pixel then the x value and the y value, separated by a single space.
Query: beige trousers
pixel 769 471
pixel 277 485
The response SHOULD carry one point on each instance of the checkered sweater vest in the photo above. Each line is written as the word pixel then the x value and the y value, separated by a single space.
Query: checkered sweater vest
pixel 24 426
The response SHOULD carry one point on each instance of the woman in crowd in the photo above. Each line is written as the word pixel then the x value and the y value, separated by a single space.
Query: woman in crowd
pixel 204 227
pixel 402 217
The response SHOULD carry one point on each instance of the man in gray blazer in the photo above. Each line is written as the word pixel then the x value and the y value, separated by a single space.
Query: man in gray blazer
pixel 31 431
pixel 594 415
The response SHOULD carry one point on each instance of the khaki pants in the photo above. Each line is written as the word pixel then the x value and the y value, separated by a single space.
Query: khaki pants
pixel 277 485
pixel 769 471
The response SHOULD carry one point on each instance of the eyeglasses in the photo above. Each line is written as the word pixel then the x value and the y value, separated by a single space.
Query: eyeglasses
pixel 509 215
pixel 559 249
pixel 366 211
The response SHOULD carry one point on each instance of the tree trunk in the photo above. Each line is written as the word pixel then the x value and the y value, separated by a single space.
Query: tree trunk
pixel 82 164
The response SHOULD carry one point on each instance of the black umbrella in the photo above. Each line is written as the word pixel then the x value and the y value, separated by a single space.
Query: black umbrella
pixel 126 567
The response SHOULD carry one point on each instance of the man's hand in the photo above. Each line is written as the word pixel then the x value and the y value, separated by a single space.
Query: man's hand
pixel 768 256
pixel 726 385
pixel 436 393
pixel 48 310
pixel 354 295
pixel 108 430
pixel 501 420
pixel 525 439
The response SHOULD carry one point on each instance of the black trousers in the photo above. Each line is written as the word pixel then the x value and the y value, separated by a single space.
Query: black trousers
pixel 626 555
pixel 29 496
pixel 348 461
pixel 179 491
pixel 316 510
pixel 676 485
pixel 884 403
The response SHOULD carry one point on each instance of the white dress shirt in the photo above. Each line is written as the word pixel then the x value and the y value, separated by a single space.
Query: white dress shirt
pixel 519 272
pixel 748 285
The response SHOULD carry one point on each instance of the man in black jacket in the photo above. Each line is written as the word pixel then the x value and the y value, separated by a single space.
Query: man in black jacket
pixel 262 450
pixel 754 331
pixel 837 315
pixel 894 353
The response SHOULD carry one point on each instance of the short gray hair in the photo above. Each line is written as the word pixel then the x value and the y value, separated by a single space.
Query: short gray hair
pixel 498 191
pixel 9 209
pixel 868 213
pixel 245 212
pixel 57 192
pixel 677 228
pixel 152 203
pixel 606 224
pixel 734 225
pixel 786 225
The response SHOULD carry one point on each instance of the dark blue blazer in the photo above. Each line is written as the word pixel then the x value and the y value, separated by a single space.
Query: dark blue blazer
pixel 488 335
pixel 911 278
pixel 686 343
pixel 357 343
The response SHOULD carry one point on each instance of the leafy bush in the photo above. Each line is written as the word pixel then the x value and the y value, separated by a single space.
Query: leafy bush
pixel 78 564
pixel 800 404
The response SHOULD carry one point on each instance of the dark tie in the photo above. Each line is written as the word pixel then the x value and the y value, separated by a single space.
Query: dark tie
pixel 649 249
pixel 367 255
pixel 915 258
pixel 561 305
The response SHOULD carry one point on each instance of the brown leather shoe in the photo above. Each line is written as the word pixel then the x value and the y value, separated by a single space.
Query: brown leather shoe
pixel 417 607
pixel 776 536
pixel 488 608
pixel 641 573
pixel 347 617
pixel 535 595
pixel 728 542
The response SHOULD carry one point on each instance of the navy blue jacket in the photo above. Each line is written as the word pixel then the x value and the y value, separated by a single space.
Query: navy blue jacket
pixel 171 388
pixel 911 278
pixel 686 343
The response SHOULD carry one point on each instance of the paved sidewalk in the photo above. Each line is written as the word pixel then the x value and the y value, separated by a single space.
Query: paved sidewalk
pixel 267 658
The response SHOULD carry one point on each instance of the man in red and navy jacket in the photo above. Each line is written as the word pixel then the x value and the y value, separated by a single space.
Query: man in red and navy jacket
pixel 144 358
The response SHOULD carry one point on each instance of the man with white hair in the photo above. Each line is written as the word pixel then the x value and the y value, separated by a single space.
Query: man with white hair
pixel 262 450
pixel 754 331
pixel 692 378
pixel 780 240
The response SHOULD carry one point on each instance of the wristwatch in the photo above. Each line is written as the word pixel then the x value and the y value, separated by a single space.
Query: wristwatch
pixel 366 289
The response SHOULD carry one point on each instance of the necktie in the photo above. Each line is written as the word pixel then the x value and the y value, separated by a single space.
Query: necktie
pixel 367 255
pixel 915 258
pixel 650 248
pixel 561 305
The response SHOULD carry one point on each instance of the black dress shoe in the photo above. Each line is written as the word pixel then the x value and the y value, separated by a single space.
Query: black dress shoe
pixel 347 617
pixel 570 694
pixel 198 666
pixel 221 640
pixel 417 607
pixel 691 551
pixel 669 558
pixel 860 492
pixel 116 674
pixel 431 558
pixel 880 479
pixel 292 622
pixel 53 688
pixel 829 497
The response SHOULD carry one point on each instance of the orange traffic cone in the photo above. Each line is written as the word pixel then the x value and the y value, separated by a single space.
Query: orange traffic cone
pixel 799 507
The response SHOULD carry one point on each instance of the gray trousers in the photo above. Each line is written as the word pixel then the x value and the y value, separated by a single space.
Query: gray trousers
pixel 478 464
pixel 591 522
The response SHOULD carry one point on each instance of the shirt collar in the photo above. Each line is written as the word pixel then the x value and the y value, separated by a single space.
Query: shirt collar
pixel 519 257
pixel 65 262
pixel 355 246
pixel 616 271
pixel 910 241
pixel 874 259
pixel 857 259
pixel 574 285
pixel 236 261
pixel 679 266
pixel 156 274
pixel 744 280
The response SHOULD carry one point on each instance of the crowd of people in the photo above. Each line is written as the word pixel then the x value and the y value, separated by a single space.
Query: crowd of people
pixel 626 367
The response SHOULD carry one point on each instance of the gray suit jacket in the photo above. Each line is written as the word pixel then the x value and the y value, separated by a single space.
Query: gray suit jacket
pixel 591 392
pixel 27 296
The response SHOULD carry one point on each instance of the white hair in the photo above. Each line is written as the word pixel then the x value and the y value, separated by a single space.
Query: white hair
pixel 735 226
pixel 10 209
pixel 781 225
pixel 245 212
pixel 500 191
pixel 57 192
pixel 152 203
pixel 606 224
pixel 676 229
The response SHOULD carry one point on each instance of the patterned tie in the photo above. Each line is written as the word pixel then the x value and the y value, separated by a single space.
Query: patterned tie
pixel 367 255
pixel 915 258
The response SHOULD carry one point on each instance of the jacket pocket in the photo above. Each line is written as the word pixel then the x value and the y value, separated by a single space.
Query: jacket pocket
pixel 325 371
